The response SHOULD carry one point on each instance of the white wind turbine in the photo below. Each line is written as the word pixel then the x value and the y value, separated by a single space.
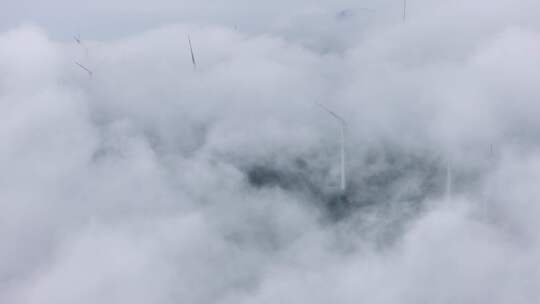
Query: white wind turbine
pixel 343 124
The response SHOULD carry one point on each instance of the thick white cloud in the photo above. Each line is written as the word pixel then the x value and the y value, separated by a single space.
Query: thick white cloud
pixel 154 182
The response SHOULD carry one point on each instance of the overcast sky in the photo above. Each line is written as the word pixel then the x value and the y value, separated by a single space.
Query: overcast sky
pixel 111 19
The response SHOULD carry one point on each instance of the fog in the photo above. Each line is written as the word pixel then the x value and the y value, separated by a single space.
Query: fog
pixel 151 180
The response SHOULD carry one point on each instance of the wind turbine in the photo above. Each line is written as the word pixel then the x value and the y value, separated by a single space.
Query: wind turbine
pixel 343 124
pixel 487 192
pixel 448 192
pixel 80 43
pixel 404 10
pixel 192 54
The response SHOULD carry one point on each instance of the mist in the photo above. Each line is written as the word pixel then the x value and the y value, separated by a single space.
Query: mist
pixel 131 175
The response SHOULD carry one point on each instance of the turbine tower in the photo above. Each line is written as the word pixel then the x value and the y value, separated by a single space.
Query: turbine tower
pixel 448 181
pixel 343 124
pixel 489 186
pixel 404 10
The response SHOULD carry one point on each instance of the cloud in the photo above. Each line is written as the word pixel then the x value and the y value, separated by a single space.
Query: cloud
pixel 154 181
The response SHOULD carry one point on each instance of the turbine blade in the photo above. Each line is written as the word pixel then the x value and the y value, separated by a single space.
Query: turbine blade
pixel 84 68
pixel 333 114
pixel 192 54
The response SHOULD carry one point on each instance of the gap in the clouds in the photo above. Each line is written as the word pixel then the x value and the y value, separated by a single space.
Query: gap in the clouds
pixel 382 178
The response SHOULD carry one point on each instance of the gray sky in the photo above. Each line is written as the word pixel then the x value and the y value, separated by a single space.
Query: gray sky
pixel 108 19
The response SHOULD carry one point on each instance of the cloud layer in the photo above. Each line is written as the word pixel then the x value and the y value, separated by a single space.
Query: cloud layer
pixel 152 181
